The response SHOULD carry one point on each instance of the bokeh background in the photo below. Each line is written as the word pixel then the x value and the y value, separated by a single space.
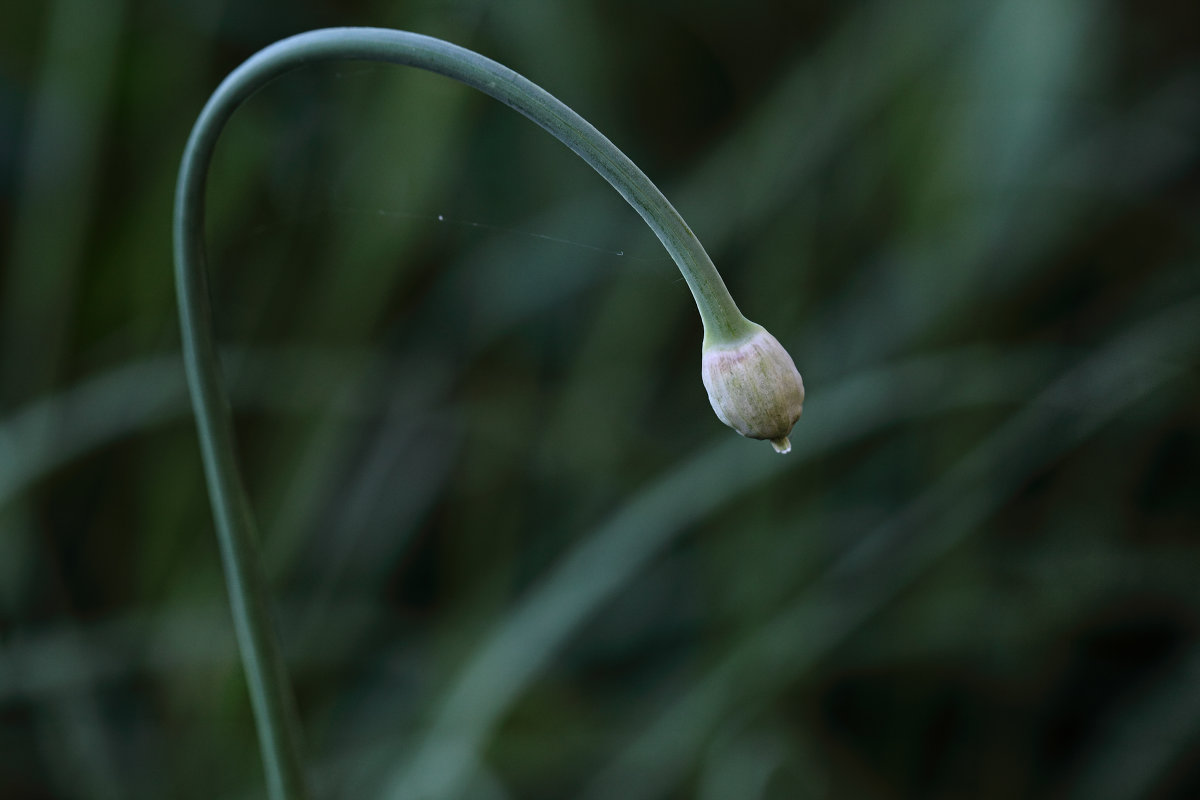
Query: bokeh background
pixel 514 553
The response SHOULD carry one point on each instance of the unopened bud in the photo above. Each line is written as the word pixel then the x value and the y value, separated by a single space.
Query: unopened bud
pixel 754 387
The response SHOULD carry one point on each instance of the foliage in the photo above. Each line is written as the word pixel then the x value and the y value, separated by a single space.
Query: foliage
pixel 502 523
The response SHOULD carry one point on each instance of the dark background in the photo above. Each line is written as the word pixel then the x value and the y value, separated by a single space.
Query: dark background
pixel 514 553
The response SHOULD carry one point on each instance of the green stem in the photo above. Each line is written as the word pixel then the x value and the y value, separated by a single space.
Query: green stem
pixel 269 687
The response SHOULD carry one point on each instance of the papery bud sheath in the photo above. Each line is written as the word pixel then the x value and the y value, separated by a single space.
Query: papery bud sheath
pixel 754 387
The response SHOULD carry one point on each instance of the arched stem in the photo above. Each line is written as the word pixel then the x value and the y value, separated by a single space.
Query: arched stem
pixel 270 690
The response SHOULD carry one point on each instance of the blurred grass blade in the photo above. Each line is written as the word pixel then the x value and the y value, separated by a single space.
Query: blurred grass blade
pixel 141 395
pixel 1137 745
pixel 607 559
pixel 891 558
pixel 57 191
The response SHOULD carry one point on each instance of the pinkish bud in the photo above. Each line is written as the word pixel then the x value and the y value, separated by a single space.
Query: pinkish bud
pixel 754 387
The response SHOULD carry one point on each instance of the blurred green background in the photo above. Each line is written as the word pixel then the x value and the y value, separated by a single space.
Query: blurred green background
pixel 514 553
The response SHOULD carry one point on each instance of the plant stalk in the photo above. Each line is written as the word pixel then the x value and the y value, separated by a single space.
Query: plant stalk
pixel 270 690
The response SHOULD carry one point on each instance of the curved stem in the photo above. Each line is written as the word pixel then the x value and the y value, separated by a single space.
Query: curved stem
pixel 269 687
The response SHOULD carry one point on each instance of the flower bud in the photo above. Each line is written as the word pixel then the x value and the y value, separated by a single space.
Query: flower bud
pixel 754 387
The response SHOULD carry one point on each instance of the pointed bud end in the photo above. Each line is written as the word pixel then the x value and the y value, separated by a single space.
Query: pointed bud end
pixel 754 387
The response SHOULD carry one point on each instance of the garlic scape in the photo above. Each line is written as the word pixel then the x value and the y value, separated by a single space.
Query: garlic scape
pixel 752 383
